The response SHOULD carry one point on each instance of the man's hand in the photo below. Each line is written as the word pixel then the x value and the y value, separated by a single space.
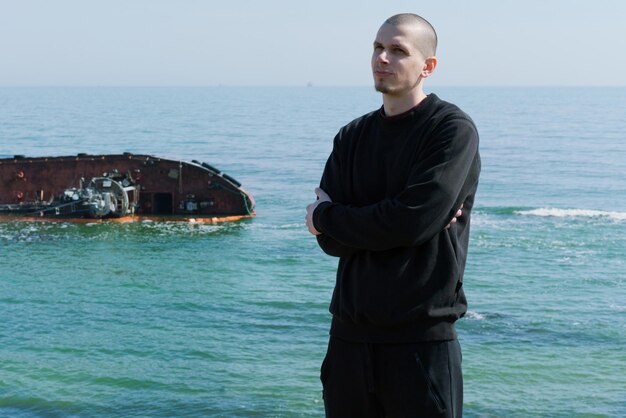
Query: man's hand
pixel 322 196
pixel 458 214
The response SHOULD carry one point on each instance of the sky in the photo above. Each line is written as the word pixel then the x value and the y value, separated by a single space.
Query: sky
pixel 294 43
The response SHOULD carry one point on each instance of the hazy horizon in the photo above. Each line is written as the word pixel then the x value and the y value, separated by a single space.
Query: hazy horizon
pixel 426 87
pixel 280 43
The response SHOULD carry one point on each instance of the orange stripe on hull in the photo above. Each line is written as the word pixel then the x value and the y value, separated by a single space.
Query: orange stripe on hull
pixel 136 218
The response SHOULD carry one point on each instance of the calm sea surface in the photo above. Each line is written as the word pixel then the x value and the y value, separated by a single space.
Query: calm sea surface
pixel 183 320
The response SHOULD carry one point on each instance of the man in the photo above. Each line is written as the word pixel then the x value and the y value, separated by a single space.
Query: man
pixel 394 181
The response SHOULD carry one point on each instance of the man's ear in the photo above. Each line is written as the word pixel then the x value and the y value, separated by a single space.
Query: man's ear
pixel 429 66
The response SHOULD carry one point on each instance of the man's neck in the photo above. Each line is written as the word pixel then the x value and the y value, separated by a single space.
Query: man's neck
pixel 395 105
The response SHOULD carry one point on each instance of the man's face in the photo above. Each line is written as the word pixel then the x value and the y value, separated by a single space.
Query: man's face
pixel 396 61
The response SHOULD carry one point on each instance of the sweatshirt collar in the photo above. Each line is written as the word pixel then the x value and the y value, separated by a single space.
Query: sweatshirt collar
pixel 402 115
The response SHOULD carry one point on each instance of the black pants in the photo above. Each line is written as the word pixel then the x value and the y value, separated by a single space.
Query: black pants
pixel 392 380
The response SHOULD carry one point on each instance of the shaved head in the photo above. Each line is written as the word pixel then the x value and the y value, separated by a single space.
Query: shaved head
pixel 426 37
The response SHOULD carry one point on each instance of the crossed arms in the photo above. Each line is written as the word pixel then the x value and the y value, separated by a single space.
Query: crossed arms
pixel 431 201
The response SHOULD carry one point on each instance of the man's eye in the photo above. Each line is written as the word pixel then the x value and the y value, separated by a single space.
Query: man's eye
pixel 377 47
pixel 399 51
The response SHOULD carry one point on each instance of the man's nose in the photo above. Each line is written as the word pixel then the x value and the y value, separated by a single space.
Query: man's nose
pixel 382 56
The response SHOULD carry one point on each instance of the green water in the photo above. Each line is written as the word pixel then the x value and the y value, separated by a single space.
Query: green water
pixel 157 319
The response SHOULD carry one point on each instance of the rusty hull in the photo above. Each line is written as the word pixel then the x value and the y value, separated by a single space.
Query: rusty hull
pixel 166 186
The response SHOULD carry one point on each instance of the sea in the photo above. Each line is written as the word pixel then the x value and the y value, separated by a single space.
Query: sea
pixel 156 319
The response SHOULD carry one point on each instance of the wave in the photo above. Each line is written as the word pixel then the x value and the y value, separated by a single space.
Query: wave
pixel 475 316
pixel 553 212
pixel 573 213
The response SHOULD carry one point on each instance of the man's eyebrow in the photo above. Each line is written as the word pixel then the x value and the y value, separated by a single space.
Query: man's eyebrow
pixel 394 45
pixel 398 46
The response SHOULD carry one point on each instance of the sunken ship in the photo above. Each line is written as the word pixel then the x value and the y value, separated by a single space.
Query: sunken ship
pixel 119 187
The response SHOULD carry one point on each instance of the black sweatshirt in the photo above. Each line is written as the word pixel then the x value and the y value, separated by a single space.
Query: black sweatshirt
pixel 395 183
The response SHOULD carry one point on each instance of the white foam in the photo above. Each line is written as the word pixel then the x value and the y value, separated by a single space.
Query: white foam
pixel 475 316
pixel 574 213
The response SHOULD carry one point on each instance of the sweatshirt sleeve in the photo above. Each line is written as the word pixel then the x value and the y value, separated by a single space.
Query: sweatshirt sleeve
pixel 331 184
pixel 439 182
pixel 332 247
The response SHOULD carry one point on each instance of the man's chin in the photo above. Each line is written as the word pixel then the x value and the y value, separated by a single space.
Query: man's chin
pixel 385 89
pixel 381 88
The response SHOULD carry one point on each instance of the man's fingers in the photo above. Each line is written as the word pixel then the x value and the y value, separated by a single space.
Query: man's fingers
pixel 458 214
pixel 321 194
